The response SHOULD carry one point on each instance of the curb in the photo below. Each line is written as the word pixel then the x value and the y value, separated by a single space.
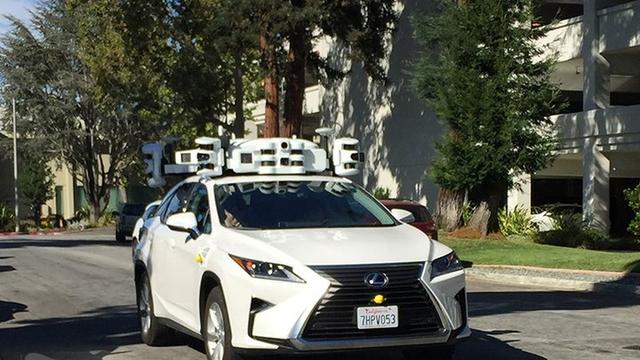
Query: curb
pixel 53 232
pixel 576 280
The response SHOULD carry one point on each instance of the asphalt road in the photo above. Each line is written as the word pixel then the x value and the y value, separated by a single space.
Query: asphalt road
pixel 71 297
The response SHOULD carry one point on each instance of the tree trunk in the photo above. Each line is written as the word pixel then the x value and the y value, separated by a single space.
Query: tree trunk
pixel 449 210
pixel 271 110
pixel 238 124
pixel 485 216
pixel 296 65
pixel 94 212
pixel 37 215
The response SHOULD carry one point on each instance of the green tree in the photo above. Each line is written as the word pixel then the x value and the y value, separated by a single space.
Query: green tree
pixel 216 54
pixel 203 51
pixel 77 107
pixel 36 184
pixel 486 79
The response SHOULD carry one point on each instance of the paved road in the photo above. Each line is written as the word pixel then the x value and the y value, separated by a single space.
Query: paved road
pixel 71 297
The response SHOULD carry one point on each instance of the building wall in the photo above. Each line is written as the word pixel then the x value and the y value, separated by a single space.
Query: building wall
pixel 396 129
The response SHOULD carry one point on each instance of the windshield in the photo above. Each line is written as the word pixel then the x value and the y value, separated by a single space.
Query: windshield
pixel 299 204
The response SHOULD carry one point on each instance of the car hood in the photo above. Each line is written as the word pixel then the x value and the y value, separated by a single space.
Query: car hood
pixel 348 246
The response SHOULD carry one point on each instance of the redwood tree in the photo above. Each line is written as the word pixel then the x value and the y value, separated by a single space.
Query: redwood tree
pixel 486 79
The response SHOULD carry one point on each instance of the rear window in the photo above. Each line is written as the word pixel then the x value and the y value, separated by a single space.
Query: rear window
pixel 133 209
pixel 420 213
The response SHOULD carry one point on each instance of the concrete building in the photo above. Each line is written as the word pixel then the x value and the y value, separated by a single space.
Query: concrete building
pixel 597 44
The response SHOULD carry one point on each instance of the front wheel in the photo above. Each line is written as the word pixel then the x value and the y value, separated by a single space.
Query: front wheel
pixel 216 331
pixel 153 333
pixel 440 353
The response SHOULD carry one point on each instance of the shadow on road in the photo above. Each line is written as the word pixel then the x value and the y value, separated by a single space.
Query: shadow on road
pixel 58 243
pixel 8 309
pixel 484 345
pixel 91 335
pixel 493 303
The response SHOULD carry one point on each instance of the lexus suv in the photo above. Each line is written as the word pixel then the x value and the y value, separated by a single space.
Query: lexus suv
pixel 271 264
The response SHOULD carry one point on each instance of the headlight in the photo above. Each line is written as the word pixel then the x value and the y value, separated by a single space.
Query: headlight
pixel 445 264
pixel 265 270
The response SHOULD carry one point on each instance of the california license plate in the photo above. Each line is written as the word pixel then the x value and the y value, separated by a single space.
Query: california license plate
pixel 377 317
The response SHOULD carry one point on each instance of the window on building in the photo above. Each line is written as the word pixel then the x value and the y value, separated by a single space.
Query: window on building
pixel 550 11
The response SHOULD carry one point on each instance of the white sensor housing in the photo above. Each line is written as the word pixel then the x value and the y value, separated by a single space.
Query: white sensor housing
pixel 347 158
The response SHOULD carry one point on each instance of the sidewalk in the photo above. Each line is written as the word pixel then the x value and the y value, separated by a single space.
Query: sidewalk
pixel 580 280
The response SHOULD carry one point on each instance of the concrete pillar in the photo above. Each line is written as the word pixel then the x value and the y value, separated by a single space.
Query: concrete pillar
pixel 520 195
pixel 596 96
pixel 596 90
pixel 595 186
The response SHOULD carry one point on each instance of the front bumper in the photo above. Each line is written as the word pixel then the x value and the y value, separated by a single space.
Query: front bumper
pixel 280 325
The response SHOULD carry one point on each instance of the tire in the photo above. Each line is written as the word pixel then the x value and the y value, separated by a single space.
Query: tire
pixel 440 353
pixel 120 237
pixel 134 245
pixel 217 341
pixel 152 331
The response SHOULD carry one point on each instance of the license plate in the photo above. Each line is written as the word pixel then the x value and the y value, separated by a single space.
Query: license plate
pixel 377 317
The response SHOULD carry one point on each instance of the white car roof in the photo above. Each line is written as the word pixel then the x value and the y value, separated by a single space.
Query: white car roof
pixel 265 178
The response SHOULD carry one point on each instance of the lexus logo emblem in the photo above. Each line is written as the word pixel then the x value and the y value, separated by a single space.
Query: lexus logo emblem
pixel 376 280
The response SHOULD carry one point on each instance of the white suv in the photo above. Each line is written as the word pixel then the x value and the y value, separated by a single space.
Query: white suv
pixel 294 263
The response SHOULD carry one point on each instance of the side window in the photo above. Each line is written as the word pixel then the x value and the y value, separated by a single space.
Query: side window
pixel 199 205
pixel 178 202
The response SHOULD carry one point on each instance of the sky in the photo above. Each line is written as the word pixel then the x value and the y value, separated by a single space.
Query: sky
pixel 17 8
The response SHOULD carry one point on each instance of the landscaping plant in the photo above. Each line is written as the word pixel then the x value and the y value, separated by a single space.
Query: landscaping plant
pixel 633 197
pixel 515 222
pixel 381 193
pixel 570 230
pixel 7 219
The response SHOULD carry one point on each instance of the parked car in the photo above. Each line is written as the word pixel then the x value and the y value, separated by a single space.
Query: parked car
pixel 126 220
pixel 422 216
pixel 138 230
pixel 271 264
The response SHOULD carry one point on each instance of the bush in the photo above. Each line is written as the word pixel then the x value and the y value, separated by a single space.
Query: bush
pixel 107 218
pixel 381 193
pixel 633 197
pixel 467 212
pixel 7 220
pixel 571 231
pixel 516 222
pixel 81 214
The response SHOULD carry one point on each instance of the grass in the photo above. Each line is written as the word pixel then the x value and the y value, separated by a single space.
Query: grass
pixel 524 252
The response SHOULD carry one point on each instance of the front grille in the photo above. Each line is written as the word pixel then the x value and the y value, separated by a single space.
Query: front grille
pixel 335 315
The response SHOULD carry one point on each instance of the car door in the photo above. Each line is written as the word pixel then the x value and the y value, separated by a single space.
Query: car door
pixel 188 256
pixel 164 267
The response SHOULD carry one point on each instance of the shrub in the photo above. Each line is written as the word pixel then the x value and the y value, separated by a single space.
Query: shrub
pixel 81 214
pixel 381 193
pixel 583 238
pixel 7 220
pixel 571 231
pixel 516 222
pixel 633 197
pixel 467 212
pixel 107 218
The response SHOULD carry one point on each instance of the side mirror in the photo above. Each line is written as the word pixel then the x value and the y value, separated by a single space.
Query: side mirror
pixel 403 215
pixel 184 222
